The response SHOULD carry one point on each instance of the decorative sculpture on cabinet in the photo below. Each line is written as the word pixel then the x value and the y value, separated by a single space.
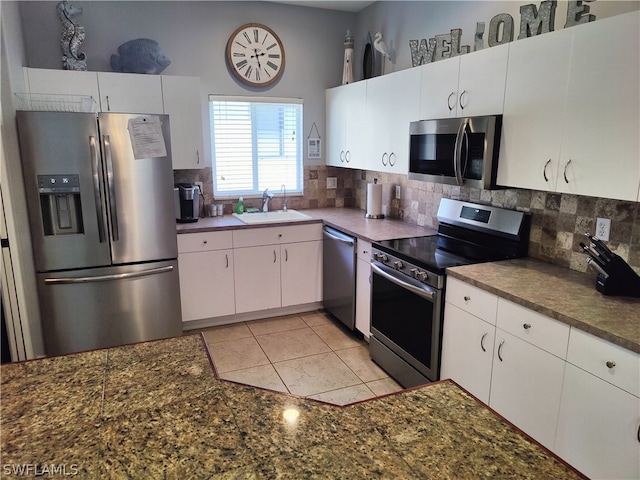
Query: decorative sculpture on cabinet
pixel 72 37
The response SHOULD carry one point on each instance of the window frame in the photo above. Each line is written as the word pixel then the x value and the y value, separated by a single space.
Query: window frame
pixel 299 141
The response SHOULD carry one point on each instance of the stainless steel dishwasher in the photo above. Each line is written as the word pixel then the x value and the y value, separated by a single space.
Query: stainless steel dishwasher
pixel 339 275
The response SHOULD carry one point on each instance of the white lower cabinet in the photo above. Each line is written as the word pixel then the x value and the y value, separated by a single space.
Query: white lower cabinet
pixel 300 272
pixel 526 384
pixel 363 288
pixel 467 351
pixel 575 393
pixel 205 261
pixel 257 278
pixel 599 421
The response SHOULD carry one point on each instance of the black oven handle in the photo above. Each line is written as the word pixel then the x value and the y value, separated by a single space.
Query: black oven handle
pixel 457 153
pixel 425 292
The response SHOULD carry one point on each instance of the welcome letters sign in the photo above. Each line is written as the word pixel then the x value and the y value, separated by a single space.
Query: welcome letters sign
pixel 533 21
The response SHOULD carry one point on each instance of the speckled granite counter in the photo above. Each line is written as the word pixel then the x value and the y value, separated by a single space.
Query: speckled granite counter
pixel 559 293
pixel 349 220
pixel 155 410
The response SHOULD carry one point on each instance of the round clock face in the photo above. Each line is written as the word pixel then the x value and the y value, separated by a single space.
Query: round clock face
pixel 255 55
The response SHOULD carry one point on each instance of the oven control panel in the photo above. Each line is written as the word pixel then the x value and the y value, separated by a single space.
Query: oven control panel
pixel 408 269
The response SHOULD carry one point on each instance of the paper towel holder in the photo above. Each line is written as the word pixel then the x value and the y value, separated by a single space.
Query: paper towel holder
pixel 370 202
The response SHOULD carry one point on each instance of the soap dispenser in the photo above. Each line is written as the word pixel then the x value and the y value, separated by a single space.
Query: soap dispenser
pixel 240 206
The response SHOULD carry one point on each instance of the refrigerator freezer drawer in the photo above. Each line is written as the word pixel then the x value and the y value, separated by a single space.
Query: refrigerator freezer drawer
pixel 106 307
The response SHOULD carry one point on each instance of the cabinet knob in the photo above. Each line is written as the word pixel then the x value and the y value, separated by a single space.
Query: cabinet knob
pixel 467 298
pixel 526 326
pixel 204 241
pixel 611 364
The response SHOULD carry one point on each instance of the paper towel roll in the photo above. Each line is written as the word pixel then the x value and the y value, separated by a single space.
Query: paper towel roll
pixel 374 200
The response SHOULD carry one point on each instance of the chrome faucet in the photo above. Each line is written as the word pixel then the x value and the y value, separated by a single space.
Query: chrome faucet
pixel 284 193
pixel 266 196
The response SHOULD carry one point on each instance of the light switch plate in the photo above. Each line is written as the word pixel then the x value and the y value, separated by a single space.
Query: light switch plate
pixel 398 191
pixel 332 182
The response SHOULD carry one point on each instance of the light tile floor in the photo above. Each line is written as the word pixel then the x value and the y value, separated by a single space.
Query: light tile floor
pixel 310 355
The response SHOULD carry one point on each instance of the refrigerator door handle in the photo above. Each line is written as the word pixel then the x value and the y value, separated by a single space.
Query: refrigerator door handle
pixel 113 208
pixel 102 278
pixel 97 188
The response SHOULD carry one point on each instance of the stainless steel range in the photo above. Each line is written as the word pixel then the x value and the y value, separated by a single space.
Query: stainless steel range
pixel 409 281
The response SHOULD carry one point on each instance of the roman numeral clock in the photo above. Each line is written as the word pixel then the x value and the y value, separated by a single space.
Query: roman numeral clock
pixel 255 55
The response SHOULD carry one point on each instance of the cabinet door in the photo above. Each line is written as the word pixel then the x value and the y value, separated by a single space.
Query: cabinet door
pixel 183 103
pixel 355 125
pixel 598 427
pixel 363 297
pixel 602 118
pixel 393 101
pixel 537 75
pixel 335 111
pixel 301 272
pixel 467 351
pixel 439 88
pixel 206 284
pixel 62 82
pixel 257 278
pixel 526 384
pixel 130 93
pixel 482 81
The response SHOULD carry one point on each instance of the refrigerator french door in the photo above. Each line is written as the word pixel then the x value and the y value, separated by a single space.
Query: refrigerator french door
pixel 100 200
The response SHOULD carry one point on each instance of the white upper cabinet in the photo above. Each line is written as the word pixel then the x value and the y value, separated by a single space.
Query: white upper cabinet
pixel 130 93
pixel 61 82
pixel 393 102
pixel 600 144
pixel 183 103
pixel 465 86
pixel 537 77
pixel 346 131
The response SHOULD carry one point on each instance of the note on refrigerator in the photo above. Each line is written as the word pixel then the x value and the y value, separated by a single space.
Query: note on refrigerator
pixel 146 136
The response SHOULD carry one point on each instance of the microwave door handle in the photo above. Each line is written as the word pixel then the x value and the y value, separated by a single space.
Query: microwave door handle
pixel 457 153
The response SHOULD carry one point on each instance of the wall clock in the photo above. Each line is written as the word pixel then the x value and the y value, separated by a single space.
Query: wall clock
pixel 255 55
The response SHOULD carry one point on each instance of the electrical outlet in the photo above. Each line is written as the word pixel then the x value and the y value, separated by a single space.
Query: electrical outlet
pixel 199 184
pixel 398 191
pixel 332 182
pixel 603 226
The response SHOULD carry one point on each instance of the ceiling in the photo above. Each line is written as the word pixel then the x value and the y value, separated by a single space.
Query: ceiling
pixel 345 6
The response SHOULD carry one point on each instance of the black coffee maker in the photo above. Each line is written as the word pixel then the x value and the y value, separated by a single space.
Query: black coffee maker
pixel 187 202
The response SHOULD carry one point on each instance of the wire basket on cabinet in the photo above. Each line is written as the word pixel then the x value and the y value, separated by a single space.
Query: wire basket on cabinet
pixel 55 102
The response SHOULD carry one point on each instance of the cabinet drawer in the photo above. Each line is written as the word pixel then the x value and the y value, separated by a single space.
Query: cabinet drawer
pixel 611 363
pixel 535 328
pixel 253 237
pixel 472 299
pixel 364 250
pixel 203 241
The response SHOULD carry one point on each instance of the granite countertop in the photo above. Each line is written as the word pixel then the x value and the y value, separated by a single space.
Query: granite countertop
pixel 566 295
pixel 155 410
pixel 348 220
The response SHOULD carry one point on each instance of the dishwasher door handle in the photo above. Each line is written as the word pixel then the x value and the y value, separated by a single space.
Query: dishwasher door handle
pixel 426 292
pixel 333 237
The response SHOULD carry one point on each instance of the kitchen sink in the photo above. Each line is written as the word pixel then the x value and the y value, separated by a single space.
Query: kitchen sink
pixel 272 217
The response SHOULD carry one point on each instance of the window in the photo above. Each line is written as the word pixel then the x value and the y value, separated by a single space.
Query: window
pixel 256 143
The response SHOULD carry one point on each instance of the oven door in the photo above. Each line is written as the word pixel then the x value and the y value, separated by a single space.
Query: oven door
pixel 406 326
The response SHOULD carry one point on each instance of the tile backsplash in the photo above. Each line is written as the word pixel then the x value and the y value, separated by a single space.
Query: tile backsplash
pixel 558 221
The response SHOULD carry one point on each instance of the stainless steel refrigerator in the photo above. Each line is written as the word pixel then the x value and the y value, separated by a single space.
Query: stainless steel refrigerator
pixel 101 212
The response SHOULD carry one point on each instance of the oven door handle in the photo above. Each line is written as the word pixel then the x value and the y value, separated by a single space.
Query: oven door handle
pixel 425 292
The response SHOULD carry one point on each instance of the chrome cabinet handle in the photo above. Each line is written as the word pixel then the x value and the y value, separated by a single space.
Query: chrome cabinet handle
pixel 226 257
pixel 108 106
pixel 526 326
pixel 544 171
pixel 198 157
pixel 347 156
pixel 342 156
pixel 286 255
pixel 460 99
pixel 449 100
pixel 482 341
pixel 383 160
pixel 274 256
pixel 565 171
pixel 392 155
pixel 638 433
pixel 610 364
pixel 500 350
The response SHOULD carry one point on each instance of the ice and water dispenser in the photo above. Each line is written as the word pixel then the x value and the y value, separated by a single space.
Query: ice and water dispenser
pixel 60 204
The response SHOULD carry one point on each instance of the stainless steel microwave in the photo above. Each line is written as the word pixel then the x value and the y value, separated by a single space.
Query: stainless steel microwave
pixel 456 151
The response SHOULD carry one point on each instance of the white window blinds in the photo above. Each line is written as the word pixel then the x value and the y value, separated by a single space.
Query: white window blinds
pixel 256 144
